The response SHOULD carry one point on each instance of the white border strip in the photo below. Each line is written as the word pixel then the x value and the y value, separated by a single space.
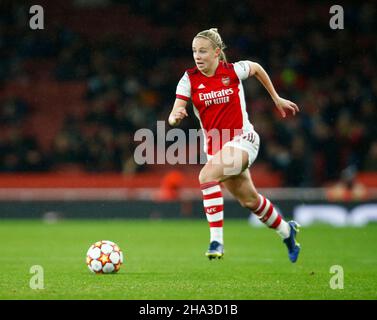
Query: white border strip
pixel 124 194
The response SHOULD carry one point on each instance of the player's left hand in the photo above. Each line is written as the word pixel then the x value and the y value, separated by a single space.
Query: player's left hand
pixel 283 104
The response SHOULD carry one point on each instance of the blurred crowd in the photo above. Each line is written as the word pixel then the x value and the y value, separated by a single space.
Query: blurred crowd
pixel 330 74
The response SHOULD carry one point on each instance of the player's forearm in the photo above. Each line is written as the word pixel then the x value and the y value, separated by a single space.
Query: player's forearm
pixel 263 78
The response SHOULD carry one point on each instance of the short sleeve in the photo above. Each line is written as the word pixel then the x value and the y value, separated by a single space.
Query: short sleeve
pixel 242 69
pixel 184 88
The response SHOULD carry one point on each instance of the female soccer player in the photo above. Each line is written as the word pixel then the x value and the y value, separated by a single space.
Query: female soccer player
pixel 231 143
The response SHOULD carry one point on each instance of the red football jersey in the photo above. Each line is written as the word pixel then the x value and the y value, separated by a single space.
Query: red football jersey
pixel 218 102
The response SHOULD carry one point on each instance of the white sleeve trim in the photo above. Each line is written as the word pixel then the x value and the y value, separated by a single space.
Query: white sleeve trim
pixel 242 69
pixel 184 86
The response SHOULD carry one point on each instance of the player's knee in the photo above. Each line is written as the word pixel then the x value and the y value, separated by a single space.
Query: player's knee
pixel 206 176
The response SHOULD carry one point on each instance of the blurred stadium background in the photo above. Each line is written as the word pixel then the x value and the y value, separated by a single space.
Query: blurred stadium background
pixel 72 96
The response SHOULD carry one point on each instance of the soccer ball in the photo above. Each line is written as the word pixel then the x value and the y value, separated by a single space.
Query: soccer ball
pixel 104 257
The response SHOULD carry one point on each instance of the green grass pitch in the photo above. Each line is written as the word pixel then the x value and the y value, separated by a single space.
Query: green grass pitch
pixel 165 260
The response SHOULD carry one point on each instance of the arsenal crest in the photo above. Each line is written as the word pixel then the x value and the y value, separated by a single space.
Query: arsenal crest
pixel 226 81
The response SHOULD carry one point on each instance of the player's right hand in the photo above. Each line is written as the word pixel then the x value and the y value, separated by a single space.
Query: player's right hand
pixel 177 115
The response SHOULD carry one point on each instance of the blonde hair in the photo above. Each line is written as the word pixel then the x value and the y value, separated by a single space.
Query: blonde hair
pixel 214 37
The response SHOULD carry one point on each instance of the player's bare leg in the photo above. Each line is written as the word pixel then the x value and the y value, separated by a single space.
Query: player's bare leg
pixel 243 189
